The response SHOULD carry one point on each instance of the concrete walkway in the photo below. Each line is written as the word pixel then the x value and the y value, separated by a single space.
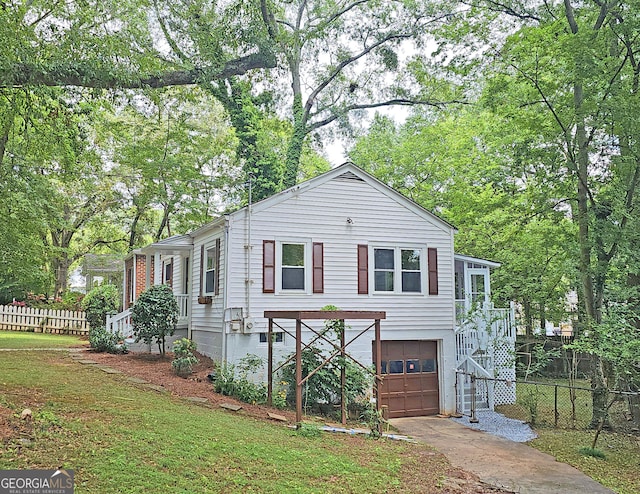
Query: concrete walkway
pixel 499 462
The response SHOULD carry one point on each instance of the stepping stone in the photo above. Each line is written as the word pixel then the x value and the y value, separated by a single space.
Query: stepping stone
pixel 109 370
pixel 88 362
pixel 137 380
pixel 275 416
pixel 196 399
pixel 157 388
pixel 230 406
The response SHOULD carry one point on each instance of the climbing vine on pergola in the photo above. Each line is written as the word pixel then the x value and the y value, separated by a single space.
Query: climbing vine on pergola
pixel 336 350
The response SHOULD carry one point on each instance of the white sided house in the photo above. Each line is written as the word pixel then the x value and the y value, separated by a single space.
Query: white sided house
pixel 343 239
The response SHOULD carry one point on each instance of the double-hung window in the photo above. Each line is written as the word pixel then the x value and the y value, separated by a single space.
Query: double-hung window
pixel 210 271
pixel 411 270
pixel 293 266
pixel 397 270
pixel 384 269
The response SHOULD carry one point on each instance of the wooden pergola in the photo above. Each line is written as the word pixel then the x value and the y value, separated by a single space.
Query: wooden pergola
pixel 337 350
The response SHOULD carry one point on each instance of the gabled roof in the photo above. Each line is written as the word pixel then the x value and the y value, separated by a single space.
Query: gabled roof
pixel 349 171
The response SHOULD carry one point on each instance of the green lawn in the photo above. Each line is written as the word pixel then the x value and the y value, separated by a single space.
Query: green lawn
pixel 19 339
pixel 618 471
pixel 119 438
pixel 536 404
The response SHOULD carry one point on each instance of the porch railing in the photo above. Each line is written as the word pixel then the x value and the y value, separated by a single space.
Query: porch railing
pixel 121 323
pixel 183 307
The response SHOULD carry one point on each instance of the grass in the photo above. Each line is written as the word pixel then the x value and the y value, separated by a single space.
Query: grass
pixel 618 470
pixel 536 404
pixel 117 438
pixel 19 339
pixel 571 441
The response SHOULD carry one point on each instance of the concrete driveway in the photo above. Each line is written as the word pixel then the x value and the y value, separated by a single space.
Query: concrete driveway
pixel 499 462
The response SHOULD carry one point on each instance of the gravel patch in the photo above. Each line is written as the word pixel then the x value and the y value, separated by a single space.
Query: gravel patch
pixel 497 424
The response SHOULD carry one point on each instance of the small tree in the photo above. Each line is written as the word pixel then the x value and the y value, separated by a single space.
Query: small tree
pixel 184 359
pixel 98 303
pixel 155 315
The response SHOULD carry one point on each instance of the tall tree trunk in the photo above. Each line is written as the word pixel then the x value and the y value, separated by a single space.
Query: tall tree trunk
pixel 60 265
pixel 164 223
pixel 592 299
pixel 133 234
pixel 294 151
pixel 528 317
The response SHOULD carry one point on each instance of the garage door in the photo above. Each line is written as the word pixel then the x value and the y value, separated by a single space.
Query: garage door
pixel 410 384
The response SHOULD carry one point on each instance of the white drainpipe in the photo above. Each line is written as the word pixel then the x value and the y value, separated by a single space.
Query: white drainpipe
pixel 225 292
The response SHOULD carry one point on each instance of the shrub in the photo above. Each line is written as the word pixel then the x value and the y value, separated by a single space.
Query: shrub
pixel 308 430
pixel 226 382
pixel 99 302
pixel 102 340
pixel 184 359
pixel 155 315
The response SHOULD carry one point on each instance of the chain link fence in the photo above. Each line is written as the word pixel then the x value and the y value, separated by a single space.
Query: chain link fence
pixel 557 403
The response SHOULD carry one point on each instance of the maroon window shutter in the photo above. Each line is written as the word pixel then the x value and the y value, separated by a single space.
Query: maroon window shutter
pixel 432 261
pixel 202 262
pixel 268 266
pixel 217 289
pixel 363 269
pixel 318 267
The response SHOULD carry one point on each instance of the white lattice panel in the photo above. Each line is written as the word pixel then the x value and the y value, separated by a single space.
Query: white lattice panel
pixel 505 392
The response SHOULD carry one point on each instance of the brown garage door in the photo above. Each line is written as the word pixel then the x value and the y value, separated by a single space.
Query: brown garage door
pixel 410 384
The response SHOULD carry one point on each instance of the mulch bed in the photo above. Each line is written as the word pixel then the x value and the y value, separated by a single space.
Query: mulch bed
pixel 158 371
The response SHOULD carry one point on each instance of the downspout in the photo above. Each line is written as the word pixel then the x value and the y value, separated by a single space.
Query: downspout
pixel 225 293
pixel 248 249
pixel 187 288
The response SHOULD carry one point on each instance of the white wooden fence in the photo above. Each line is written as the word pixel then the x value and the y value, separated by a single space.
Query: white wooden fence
pixel 15 318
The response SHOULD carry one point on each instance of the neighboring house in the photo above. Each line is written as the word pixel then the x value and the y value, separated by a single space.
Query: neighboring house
pixel 343 239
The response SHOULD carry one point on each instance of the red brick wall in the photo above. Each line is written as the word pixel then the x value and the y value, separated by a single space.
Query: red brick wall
pixel 127 282
pixel 141 274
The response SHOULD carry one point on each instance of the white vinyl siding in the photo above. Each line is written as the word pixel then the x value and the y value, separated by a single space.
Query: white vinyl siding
pixel 207 320
pixel 321 215
pixel 340 214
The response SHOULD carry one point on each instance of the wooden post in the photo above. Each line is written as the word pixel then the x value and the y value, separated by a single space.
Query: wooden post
pixel 270 363
pixel 378 372
pixel 298 372
pixel 343 376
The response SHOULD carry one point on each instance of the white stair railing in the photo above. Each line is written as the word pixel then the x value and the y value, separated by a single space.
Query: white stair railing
pixel 121 324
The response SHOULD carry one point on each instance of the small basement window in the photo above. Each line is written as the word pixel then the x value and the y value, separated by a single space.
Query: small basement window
pixel 277 337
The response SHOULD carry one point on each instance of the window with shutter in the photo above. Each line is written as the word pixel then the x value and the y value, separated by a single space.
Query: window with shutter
pixel 318 267
pixel 210 271
pixel 432 261
pixel 268 266
pixel 363 269
pixel 395 269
